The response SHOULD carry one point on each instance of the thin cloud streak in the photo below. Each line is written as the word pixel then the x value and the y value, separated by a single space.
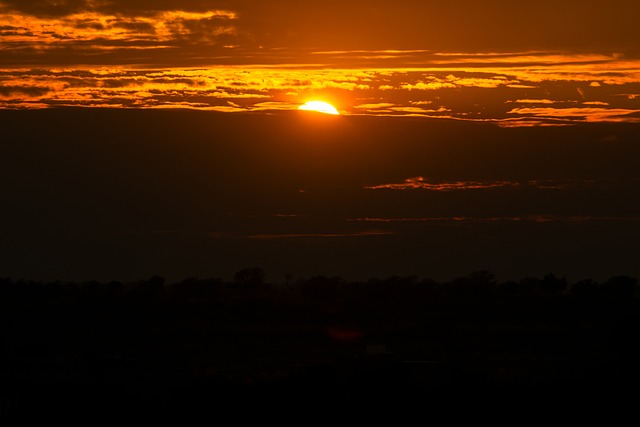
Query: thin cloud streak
pixel 420 183
pixel 582 114
pixel 287 236
pixel 525 219
pixel 321 235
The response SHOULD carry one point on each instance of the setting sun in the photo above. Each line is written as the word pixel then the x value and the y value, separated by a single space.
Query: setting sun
pixel 320 107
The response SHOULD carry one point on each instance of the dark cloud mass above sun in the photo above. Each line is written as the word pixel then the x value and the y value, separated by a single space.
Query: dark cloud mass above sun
pixel 59 8
pixel 331 24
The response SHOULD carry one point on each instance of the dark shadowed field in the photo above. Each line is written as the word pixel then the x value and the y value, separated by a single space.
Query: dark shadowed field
pixel 150 352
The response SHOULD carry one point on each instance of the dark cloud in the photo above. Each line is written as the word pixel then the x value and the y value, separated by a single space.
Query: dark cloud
pixel 90 25
pixel 61 8
pixel 29 91
pixel 200 29
pixel 139 27
pixel 369 233
pixel 47 7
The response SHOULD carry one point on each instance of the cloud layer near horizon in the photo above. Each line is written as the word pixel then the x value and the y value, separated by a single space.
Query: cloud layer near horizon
pixel 531 88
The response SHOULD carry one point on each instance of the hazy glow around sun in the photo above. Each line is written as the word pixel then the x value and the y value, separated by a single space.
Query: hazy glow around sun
pixel 320 107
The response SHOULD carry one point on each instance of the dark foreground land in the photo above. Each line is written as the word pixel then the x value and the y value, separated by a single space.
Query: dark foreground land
pixel 148 352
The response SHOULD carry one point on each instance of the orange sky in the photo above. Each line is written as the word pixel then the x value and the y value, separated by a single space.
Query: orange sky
pixel 358 24
pixel 543 63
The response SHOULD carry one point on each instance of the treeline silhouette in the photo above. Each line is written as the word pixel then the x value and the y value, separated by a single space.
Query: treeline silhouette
pixel 150 349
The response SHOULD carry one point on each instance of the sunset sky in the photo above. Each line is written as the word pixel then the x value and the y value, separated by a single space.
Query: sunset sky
pixel 473 135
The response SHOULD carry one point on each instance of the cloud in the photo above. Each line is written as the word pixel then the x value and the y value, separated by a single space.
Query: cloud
pixel 127 8
pixel 420 183
pixel 550 184
pixel 582 114
pixel 274 105
pixel 432 85
pixel 451 81
pixel 370 233
pixel 419 110
pixel 355 25
pixel 486 92
pixel 95 30
pixel 23 91
pixel 533 101
pixel 524 218
pixel 252 90
pixel 376 106
pixel 389 109
pixel 289 236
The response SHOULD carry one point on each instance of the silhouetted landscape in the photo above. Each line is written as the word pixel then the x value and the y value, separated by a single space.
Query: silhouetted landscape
pixel 150 350
pixel 118 195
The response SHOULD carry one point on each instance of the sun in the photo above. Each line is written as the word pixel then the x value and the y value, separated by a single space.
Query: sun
pixel 320 107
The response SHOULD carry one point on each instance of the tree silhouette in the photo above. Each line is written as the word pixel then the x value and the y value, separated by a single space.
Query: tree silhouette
pixel 250 277
pixel 620 286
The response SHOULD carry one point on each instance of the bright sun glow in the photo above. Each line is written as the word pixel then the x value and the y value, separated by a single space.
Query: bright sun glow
pixel 320 107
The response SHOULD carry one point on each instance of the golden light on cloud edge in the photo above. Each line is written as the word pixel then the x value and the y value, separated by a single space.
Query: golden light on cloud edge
pixel 503 93
pixel 319 107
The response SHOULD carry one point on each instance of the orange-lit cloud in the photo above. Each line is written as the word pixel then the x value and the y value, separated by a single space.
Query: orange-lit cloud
pixel 534 101
pixel 582 114
pixel 377 106
pixel 92 30
pixel 432 85
pixel 420 183
pixel 484 90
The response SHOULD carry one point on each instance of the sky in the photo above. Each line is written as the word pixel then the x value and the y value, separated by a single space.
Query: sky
pixel 162 137
pixel 546 62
